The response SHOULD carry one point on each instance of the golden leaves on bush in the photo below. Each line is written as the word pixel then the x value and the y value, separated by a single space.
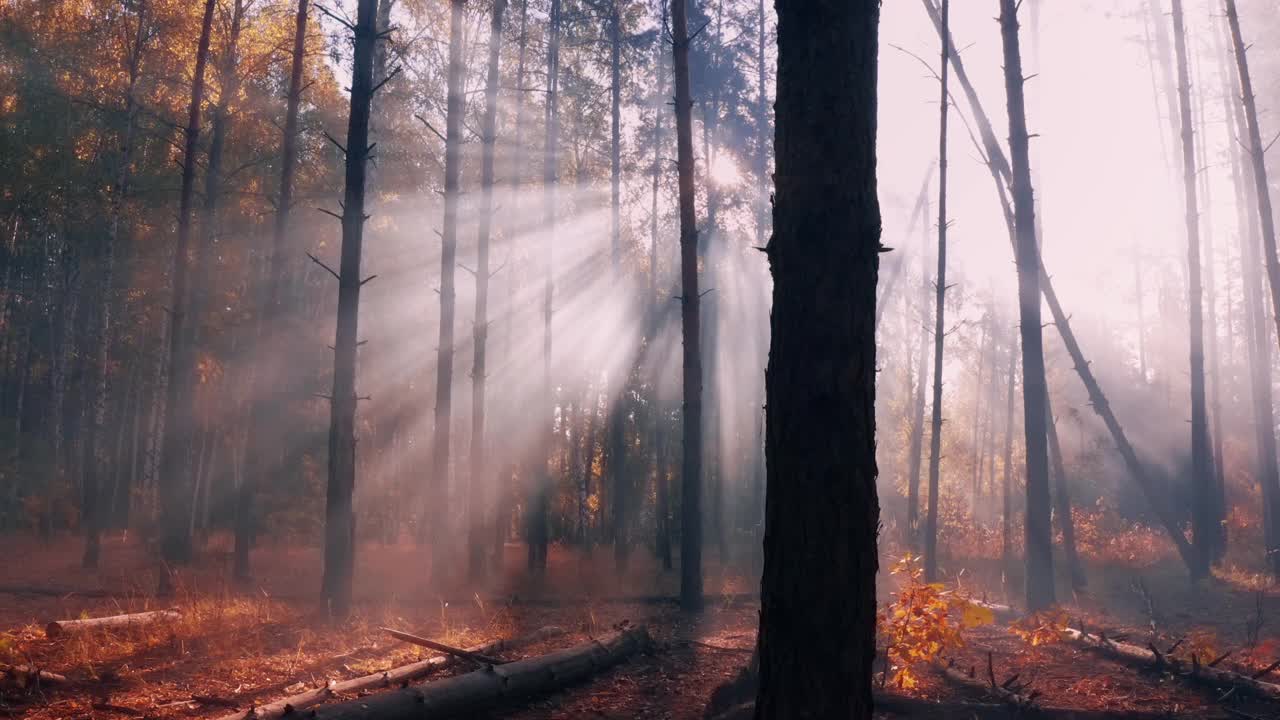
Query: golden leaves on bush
pixel 923 620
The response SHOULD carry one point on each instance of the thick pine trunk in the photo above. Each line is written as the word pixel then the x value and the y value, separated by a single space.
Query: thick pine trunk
pixel 437 515
pixel 261 453
pixel 1204 529
pixel 939 313
pixel 175 460
pixel 480 328
pixel 339 551
pixel 691 466
pixel 818 602
pixel 1039 561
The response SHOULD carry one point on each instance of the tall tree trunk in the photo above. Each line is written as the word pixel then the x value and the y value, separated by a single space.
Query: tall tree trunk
pixel 175 454
pixel 1062 501
pixel 1250 203
pixel 480 328
pixel 1039 589
pixel 617 454
pixel 1217 471
pixel 998 164
pixel 262 455
pixel 1202 522
pixel 818 599
pixel 551 172
pixel 915 444
pixel 93 515
pixel 975 443
pixel 939 312
pixel 662 523
pixel 439 485
pixel 1006 492
pixel 691 466
pixel 517 179
pixel 339 560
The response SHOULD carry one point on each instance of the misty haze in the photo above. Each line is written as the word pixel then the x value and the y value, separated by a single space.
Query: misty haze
pixel 679 359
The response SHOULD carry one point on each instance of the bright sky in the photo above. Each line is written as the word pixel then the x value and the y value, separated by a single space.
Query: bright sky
pixel 1099 161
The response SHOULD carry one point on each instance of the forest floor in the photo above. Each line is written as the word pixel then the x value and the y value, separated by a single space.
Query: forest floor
pixel 257 645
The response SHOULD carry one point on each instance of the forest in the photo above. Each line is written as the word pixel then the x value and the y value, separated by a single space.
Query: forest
pixel 666 359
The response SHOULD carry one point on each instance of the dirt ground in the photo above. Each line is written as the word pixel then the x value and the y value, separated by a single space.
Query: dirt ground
pixel 254 645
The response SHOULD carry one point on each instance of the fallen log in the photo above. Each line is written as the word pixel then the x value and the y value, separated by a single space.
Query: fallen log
pixel 113 622
pixel 1194 670
pixel 466 695
pixel 475 657
pixel 390 678
pixel 23 676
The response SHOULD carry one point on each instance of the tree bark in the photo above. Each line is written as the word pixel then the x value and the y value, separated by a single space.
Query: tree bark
pixel 818 601
pixel 939 312
pixel 1039 587
pixel 339 551
pixel 691 466
pixel 262 456
pixel 175 477
pixel 1202 523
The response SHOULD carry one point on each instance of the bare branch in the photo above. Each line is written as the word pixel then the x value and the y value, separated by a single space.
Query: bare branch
pixel 429 127
pixel 317 261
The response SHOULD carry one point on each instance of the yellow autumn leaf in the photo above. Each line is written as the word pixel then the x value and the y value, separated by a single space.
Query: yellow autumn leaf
pixel 973 615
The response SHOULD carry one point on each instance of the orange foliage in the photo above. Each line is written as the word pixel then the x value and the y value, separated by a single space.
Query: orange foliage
pixel 1043 628
pixel 1104 537
pixel 923 621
